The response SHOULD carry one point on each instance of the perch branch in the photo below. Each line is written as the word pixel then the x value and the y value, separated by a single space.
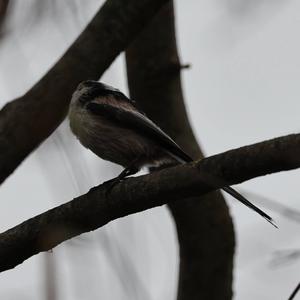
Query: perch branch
pixel 97 207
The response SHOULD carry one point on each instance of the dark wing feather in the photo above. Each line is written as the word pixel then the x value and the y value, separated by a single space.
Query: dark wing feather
pixel 139 122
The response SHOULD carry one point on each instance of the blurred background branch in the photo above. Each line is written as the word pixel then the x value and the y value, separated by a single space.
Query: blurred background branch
pixel 28 120
pixel 3 11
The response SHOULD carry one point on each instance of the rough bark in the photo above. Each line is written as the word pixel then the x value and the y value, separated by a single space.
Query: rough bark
pixel 205 230
pixel 30 119
pixel 98 207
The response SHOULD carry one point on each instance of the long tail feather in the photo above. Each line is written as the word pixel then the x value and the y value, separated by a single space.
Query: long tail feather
pixel 246 202
pixel 183 157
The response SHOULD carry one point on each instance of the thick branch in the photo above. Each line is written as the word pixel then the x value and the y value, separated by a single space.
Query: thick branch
pixel 97 207
pixel 27 121
pixel 153 65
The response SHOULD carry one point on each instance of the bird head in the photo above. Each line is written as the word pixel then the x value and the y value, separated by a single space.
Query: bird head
pixel 91 90
pixel 97 93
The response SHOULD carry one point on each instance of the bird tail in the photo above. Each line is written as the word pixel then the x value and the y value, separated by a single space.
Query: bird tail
pixel 246 202
pixel 181 156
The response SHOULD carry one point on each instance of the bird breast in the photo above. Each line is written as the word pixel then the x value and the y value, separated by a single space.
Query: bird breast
pixel 110 141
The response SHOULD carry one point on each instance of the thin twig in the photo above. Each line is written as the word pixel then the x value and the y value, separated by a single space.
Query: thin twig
pixel 296 290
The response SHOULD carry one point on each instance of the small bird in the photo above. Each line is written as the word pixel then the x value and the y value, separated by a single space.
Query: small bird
pixel 110 124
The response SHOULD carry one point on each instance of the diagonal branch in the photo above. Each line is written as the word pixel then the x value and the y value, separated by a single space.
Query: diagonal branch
pixel 30 119
pixel 97 207
pixel 295 291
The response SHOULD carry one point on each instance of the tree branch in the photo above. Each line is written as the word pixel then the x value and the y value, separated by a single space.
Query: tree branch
pixel 97 207
pixel 153 65
pixel 30 119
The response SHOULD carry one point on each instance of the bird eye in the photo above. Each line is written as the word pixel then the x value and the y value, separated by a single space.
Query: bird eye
pixel 84 98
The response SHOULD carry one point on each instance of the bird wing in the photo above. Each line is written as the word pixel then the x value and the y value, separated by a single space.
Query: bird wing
pixel 139 122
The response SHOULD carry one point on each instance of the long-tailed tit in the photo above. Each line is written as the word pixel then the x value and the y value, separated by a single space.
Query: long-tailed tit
pixel 110 124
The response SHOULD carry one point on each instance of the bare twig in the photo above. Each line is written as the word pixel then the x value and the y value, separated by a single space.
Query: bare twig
pixel 27 121
pixel 294 293
pixel 98 207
